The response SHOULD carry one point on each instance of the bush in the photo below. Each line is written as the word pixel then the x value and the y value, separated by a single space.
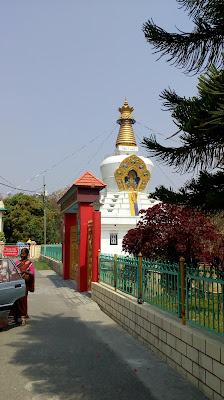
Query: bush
pixel 168 231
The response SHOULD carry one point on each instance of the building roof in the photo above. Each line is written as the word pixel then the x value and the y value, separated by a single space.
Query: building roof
pixel 89 180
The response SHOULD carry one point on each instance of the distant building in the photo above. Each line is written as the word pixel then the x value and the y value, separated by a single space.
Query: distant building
pixel 2 212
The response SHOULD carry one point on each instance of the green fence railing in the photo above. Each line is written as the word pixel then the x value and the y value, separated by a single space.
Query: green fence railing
pixel 195 294
pixel 205 297
pixel 155 282
pixel 127 275
pixel 161 285
pixel 52 250
pixel 106 273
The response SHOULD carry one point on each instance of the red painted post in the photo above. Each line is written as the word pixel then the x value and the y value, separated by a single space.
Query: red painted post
pixel 69 220
pixel 96 244
pixel 85 215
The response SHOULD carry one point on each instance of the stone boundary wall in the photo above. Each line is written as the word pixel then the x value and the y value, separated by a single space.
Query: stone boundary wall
pixel 57 266
pixel 195 353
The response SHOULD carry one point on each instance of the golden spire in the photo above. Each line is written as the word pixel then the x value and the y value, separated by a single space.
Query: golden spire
pixel 126 135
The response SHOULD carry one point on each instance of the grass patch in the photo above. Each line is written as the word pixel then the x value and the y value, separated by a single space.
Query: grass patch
pixel 202 311
pixel 41 265
pixel 165 300
pixel 206 312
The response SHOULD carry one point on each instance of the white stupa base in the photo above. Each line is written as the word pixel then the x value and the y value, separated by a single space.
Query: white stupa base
pixel 116 218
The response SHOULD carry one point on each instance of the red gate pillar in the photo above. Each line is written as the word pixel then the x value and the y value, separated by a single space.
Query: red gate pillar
pixel 85 213
pixel 69 220
pixel 96 244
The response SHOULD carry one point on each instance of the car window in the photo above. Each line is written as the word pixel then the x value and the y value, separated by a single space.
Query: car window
pixel 4 271
pixel 14 275
pixel 8 271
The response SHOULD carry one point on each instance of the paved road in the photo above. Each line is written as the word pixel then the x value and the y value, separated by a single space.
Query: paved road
pixel 70 350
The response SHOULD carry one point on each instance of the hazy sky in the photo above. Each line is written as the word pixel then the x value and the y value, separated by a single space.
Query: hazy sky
pixel 66 67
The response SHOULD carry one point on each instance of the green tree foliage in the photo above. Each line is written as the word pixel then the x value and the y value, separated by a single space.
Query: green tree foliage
pixel 2 237
pixel 24 219
pixel 199 48
pixel 201 120
pixel 168 231
pixel 206 193
pixel 54 219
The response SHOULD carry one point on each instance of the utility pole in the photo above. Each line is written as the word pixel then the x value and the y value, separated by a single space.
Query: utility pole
pixel 44 203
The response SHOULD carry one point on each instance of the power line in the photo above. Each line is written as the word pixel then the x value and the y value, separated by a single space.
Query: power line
pixel 158 133
pixel 56 164
pixel 166 175
pixel 160 168
pixel 23 190
pixel 92 155
pixel 6 180
pixel 19 187
pixel 102 143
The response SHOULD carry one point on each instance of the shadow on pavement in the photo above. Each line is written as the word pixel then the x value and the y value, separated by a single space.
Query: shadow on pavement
pixel 60 283
pixel 61 357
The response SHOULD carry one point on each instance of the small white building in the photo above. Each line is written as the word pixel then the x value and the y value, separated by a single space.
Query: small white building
pixel 127 175
pixel 2 212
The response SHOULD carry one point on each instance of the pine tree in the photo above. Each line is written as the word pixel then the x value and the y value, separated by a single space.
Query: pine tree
pixel 200 122
pixel 195 50
pixel 205 193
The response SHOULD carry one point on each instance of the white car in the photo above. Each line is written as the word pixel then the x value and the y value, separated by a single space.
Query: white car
pixel 12 285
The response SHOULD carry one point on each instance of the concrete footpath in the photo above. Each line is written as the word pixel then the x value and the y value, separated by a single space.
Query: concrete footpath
pixel 71 350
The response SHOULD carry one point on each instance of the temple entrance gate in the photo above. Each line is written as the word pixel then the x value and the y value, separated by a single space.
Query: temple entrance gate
pixel 78 240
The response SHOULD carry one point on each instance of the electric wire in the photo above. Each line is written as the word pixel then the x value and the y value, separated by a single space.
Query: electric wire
pixel 91 157
pixel 7 181
pixel 56 164
pixel 159 167
pixel 158 133
pixel 23 190
pixel 19 187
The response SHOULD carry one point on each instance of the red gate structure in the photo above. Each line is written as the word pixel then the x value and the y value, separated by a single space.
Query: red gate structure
pixel 78 211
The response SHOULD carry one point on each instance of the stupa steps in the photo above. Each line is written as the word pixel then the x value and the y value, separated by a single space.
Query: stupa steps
pixel 118 197
pixel 116 212
pixel 118 204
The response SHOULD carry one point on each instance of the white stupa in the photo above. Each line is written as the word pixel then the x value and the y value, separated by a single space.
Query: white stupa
pixel 127 175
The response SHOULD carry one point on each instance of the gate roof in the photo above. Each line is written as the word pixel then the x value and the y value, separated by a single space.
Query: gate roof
pixel 84 190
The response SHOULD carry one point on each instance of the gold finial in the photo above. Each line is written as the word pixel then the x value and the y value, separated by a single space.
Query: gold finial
pixel 126 135
pixel 126 110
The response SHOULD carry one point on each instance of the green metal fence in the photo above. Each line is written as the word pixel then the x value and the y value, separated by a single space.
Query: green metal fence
pixel 52 250
pixel 106 273
pixel 161 285
pixel 205 296
pixel 150 281
pixel 178 288
pixel 127 275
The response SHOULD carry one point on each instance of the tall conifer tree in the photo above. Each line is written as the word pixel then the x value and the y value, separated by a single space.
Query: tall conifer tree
pixel 200 120
pixel 195 50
